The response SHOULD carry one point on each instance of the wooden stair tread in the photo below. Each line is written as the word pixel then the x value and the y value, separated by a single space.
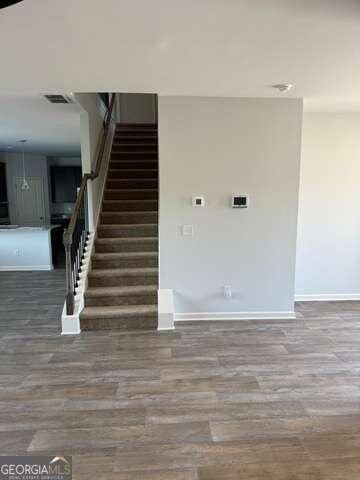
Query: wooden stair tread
pixel 130 225
pixel 127 225
pixel 132 170
pixel 135 152
pixel 140 190
pixel 126 240
pixel 133 160
pixel 118 291
pixel 144 136
pixel 114 311
pixel 122 132
pixel 135 144
pixel 136 213
pixel 144 217
pixel 137 125
pixel 110 272
pixel 115 255
pixel 136 179
pixel 132 200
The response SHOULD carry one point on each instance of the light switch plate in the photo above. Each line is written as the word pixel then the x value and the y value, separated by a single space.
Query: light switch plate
pixel 187 230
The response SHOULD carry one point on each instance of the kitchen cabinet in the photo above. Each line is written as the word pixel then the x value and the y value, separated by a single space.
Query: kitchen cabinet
pixel 64 183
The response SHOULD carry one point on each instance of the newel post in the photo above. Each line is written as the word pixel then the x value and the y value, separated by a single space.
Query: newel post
pixel 70 300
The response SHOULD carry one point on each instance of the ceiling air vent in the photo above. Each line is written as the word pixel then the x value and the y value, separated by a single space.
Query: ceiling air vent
pixel 7 3
pixel 58 99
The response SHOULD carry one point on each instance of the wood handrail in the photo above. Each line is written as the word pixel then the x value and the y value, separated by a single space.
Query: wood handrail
pixel 78 229
pixel 94 174
pixel 107 121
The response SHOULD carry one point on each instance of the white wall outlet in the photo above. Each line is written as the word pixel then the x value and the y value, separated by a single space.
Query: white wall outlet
pixel 198 201
pixel 17 252
pixel 187 230
pixel 227 291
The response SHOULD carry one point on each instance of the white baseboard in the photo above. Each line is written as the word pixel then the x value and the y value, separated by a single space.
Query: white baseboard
pixel 234 316
pixel 327 297
pixel 22 268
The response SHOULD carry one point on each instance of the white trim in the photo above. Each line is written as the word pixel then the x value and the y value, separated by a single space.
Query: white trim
pixel 70 324
pixel 327 297
pixel 12 268
pixel 104 172
pixel 165 309
pixel 234 316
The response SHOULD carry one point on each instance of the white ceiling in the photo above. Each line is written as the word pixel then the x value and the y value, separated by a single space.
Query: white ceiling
pixel 186 47
pixel 50 129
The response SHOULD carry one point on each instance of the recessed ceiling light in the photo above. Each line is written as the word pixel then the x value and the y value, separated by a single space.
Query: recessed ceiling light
pixel 283 87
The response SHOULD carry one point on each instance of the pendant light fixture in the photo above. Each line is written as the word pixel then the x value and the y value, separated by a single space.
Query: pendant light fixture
pixel 24 184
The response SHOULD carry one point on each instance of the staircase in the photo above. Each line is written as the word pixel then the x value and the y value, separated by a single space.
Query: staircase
pixel 123 280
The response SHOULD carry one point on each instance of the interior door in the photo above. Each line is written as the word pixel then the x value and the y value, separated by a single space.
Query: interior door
pixel 30 206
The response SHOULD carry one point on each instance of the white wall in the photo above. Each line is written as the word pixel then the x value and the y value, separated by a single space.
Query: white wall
pixel 91 125
pixel 91 118
pixel 35 166
pixel 328 253
pixel 216 147
pixel 137 108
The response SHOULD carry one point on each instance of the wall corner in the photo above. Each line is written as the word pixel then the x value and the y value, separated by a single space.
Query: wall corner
pixel 166 312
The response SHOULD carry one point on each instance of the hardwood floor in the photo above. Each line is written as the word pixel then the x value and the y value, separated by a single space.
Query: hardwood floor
pixel 250 400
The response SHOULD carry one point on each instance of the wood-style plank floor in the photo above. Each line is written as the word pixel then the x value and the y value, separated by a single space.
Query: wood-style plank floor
pixel 254 400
